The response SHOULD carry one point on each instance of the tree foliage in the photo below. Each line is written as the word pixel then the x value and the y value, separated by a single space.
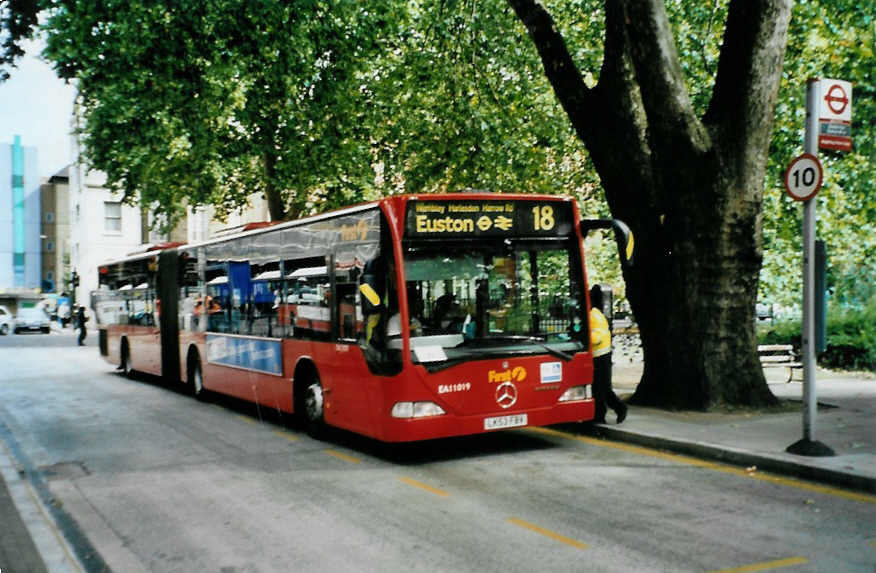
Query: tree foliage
pixel 18 20
pixel 460 103
pixel 212 101
pixel 315 106
pixel 837 40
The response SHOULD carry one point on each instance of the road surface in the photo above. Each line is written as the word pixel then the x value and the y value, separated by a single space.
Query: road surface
pixel 139 477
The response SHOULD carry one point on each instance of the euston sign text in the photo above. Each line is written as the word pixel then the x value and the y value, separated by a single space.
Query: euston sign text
pixel 440 219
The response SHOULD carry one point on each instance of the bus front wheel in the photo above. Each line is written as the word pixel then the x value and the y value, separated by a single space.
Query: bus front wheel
pixel 312 412
pixel 313 403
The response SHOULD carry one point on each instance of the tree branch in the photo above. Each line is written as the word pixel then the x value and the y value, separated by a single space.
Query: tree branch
pixel 627 121
pixel 570 89
pixel 749 72
pixel 671 118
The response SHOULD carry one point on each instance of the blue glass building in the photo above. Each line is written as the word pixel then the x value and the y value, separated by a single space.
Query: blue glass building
pixel 20 243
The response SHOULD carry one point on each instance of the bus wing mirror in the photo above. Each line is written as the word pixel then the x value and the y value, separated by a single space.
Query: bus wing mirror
pixel 622 233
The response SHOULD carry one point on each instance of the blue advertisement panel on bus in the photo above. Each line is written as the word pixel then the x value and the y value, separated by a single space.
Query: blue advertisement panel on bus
pixel 257 354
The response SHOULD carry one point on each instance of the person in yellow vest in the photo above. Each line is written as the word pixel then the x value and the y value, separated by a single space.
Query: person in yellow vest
pixel 600 341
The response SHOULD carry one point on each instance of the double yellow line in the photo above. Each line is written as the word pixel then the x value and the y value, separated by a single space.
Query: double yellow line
pixel 715 466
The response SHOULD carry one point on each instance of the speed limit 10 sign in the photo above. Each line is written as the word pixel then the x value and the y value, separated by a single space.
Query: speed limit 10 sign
pixel 803 177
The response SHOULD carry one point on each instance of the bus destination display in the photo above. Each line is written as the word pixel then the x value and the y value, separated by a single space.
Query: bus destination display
pixel 446 219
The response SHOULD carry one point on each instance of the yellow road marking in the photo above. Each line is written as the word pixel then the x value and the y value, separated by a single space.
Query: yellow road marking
pixel 246 419
pixel 425 487
pixel 344 457
pixel 547 533
pixel 716 466
pixel 766 565
pixel 287 435
pixel 873 543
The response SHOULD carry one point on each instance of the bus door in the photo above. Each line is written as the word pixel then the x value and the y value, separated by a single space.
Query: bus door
pixel 143 332
pixel 353 387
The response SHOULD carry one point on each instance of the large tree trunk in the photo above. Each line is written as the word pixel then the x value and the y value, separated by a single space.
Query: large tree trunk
pixel 273 195
pixel 690 189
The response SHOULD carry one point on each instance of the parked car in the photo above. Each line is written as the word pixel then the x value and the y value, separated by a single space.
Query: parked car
pixel 5 320
pixel 31 319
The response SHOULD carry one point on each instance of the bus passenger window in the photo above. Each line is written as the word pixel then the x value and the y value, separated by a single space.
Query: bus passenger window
pixel 263 306
pixel 349 317
pixel 191 300
pixel 306 309
pixel 217 303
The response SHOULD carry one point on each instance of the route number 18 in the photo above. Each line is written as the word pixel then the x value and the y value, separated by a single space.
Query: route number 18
pixel 543 217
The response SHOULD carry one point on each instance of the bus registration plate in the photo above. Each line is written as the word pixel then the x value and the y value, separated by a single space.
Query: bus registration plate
pixel 499 422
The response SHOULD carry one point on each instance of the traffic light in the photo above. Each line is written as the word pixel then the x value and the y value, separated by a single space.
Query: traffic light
pixel 75 279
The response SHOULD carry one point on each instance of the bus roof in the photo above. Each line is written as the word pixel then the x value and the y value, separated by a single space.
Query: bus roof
pixel 402 199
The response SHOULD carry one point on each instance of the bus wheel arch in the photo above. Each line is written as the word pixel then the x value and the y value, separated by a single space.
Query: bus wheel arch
pixel 195 373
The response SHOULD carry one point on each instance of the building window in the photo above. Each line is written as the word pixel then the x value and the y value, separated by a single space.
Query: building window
pixel 112 216
pixel 50 246
pixel 50 217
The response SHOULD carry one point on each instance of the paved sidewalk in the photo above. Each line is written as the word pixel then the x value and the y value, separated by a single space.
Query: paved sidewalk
pixel 29 540
pixel 845 421
pixel 17 550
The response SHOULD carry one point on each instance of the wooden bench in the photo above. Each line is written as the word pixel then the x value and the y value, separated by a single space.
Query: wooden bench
pixel 779 356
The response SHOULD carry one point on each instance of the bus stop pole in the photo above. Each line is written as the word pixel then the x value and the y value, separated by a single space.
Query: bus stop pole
pixel 809 446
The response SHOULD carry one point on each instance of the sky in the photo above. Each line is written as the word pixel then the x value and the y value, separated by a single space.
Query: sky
pixel 38 106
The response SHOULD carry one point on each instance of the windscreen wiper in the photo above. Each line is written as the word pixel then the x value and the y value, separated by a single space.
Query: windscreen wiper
pixel 517 338
pixel 552 351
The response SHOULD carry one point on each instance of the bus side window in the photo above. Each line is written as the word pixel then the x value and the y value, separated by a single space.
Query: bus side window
pixel 306 312
pixel 216 301
pixel 264 302
pixel 191 302
pixel 349 319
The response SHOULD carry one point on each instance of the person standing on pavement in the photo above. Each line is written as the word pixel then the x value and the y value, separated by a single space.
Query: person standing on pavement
pixel 600 341
pixel 81 319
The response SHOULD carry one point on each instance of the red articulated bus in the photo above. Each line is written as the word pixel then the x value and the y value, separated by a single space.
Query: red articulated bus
pixel 409 318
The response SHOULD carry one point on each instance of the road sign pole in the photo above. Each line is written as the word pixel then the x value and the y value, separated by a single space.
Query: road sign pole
pixel 809 446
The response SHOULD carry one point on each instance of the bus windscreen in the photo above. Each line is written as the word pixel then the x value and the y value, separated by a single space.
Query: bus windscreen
pixel 508 297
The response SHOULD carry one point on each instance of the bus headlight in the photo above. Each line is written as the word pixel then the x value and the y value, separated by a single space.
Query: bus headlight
pixel 576 393
pixel 416 410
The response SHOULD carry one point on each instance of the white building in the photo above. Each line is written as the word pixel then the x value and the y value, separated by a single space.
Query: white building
pixel 101 227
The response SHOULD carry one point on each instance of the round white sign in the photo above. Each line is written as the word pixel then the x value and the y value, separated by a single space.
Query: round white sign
pixel 803 177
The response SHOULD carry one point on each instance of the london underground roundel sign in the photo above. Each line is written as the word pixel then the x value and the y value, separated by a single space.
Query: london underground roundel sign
pixel 803 177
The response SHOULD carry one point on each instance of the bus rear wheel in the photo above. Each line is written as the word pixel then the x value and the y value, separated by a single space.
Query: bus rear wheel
pixel 196 378
pixel 125 365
